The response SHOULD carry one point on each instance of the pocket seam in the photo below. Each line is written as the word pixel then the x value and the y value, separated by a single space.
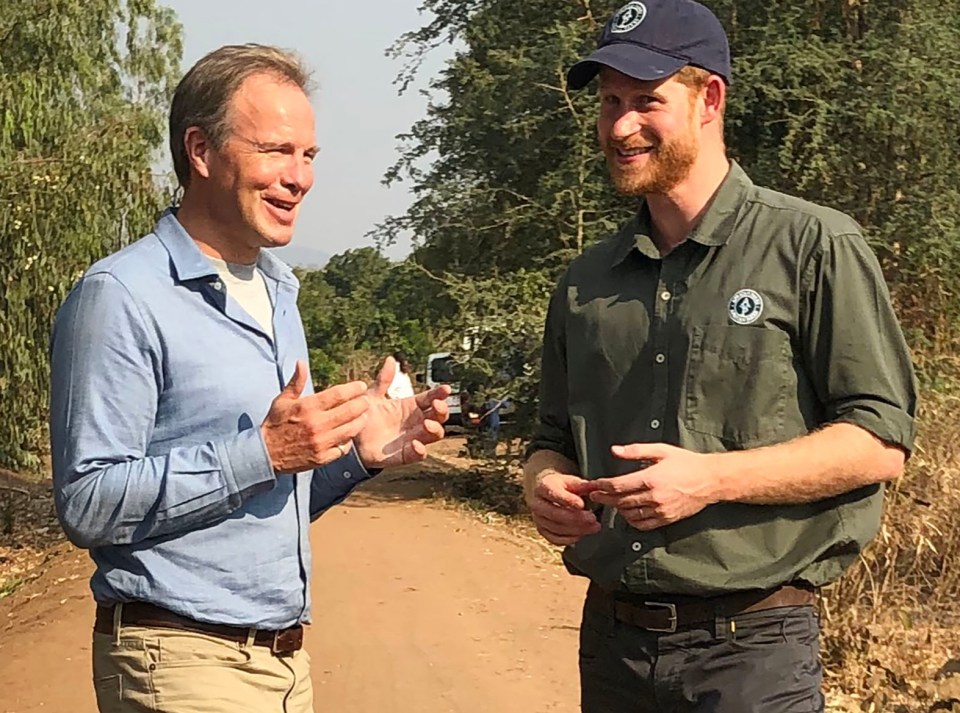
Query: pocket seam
pixel 694 367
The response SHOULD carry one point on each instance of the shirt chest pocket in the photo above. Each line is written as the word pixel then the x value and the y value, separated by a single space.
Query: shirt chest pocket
pixel 737 384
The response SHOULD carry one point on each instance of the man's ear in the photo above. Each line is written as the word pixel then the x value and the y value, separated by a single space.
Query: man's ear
pixel 714 99
pixel 199 150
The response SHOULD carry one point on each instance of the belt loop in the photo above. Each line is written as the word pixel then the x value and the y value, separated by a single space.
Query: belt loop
pixel 251 638
pixel 721 629
pixel 117 621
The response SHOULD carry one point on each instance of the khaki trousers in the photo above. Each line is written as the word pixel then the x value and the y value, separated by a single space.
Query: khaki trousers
pixel 148 670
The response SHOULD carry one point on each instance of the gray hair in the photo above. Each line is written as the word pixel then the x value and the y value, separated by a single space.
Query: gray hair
pixel 203 96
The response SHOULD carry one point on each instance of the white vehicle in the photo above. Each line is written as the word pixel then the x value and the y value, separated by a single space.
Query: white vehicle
pixel 442 368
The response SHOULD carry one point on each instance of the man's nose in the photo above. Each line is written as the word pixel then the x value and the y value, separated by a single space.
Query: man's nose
pixel 625 125
pixel 298 176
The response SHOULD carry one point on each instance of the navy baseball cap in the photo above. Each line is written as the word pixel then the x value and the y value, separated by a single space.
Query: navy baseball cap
pixel 654 39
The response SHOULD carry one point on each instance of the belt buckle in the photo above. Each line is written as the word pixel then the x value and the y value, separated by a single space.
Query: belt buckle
pixel 671 610
pixel 286 641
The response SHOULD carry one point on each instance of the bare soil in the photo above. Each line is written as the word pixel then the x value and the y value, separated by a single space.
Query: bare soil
pixel 418 606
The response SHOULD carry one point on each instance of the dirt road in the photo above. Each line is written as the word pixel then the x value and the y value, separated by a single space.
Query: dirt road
pixel 418 609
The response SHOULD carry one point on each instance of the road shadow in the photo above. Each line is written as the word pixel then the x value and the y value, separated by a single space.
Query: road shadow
pixel 483 489
pixel 427 480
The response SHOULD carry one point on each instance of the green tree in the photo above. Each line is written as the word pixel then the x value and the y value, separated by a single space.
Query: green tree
pixel 854 105
pixel 83 91
pixel 517 181
pixel 849 104
pixel 362 307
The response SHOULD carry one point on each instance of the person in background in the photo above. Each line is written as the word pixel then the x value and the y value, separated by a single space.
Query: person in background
pixel 401 387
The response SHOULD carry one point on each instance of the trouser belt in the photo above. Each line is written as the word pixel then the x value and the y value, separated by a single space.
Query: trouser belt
pixel 662 613
pixel 281 642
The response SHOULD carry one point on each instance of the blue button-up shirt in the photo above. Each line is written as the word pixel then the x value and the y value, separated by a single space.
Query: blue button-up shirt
pixel 160 382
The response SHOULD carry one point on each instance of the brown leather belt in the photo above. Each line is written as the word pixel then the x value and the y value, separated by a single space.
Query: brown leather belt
pixel 666 614
pixel 281 642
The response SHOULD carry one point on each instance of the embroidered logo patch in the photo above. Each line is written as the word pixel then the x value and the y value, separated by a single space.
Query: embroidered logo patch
pixel 629 17
pixel 745 307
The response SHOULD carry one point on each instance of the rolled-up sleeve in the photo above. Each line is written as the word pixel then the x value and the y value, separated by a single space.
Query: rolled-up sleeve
pixel 553 431
pixel 105 384
pixel 854 349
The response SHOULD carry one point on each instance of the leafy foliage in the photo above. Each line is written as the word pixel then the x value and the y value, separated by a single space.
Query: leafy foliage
pixel 361 307
pixel 847 103
pixel 83 88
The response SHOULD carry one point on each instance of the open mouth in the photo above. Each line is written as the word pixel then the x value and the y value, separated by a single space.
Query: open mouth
pixel 284 212
pixel 281 205
pixel 633 152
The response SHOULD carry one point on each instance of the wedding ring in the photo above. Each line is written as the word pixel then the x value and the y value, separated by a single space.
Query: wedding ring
pixel 343 451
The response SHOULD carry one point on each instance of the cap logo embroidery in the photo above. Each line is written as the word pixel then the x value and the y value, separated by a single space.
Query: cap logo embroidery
pixel 745 307
pixel 629 17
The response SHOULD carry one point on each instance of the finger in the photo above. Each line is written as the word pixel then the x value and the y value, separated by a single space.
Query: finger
pixel 439 415
pixel 428 431
pixel 297 382
pixel 623 484
pixel 643 518
pixel 438 411
pixel 582 487
pixel 438 393
pixel 643 451
pixel 644 522
pixel 556 539
pixel 335 396
pixel 385 377
pixel 326 445
pixel 416 450
pixel 559 496
pixel 642 499
pixel 561 517
pixel 432 431
pixel 576 530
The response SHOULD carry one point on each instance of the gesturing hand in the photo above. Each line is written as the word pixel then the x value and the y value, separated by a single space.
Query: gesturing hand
pixel 397 430
pixel 306 432
pixel 557 506
pixel 676 486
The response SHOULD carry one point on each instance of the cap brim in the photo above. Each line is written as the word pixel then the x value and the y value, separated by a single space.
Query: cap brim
pixel 633 60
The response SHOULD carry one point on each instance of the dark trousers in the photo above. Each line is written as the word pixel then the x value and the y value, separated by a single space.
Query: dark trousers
pixel 761 662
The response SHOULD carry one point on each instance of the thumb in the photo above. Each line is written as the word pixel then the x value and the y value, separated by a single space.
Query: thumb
pixel 297 382
pixel 642 451
pixel 385 377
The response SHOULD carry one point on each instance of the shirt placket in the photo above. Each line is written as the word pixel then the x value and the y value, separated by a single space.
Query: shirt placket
pixel 283 298
pixel 666 297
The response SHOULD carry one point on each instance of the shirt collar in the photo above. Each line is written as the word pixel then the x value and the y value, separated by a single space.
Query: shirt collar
pixel 715 226
pixel 189 263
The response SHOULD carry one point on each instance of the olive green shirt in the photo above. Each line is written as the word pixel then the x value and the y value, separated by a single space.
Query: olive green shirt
pixel 771 320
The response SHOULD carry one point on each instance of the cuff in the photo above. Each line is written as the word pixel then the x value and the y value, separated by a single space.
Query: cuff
pixel 350 468
pixel 890 424
pixel 246 464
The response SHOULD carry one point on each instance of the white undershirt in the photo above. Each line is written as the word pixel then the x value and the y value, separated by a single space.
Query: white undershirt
pixel 245 284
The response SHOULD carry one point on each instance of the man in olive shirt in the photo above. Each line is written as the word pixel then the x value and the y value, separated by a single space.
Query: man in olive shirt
pixel 725 389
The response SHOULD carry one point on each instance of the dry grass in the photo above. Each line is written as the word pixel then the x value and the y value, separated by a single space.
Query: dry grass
pixel 893 622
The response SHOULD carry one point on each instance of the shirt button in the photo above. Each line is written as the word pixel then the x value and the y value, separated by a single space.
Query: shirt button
pixel 655 424
pixel 665 295
pixel 347 474
pixel 218 285
pixel 661 358
pixel 636 546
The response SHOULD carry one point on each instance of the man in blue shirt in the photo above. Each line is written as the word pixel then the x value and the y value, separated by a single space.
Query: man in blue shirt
pixel 190 453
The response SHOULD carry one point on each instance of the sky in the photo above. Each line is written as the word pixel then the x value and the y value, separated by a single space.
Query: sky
pixel 359 113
